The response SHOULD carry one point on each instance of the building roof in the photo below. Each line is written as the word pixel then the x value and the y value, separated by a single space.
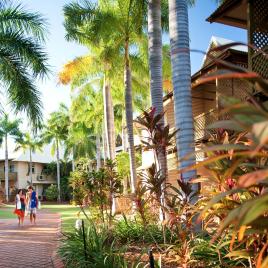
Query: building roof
pixel 208 65
pixel 218 42
pixel 43 156
pixel 231 12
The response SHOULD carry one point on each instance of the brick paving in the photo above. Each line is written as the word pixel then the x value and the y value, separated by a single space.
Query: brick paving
pixel 31 245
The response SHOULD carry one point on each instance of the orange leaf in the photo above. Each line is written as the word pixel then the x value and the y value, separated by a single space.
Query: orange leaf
pixel 252 178
pixel 241 232
pixel 259 261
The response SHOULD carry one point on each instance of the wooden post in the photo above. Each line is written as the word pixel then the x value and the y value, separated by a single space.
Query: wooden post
pixel 250 29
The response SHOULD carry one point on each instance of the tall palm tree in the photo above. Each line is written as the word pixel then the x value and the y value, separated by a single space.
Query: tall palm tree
pixel 56 131
pixel 181 76
pixel 30 143
pixel 156 21
pixel 103 54
pixel 22 58
pixel 122 22
pixel 8 128
pixel 156 68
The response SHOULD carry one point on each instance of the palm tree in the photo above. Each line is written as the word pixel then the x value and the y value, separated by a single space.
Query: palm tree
pixel 181 76
pixel 87 108
pixel 80 142
pixel 31 143
pixel 156 22
pixel 103 56
pixel 156 71
pixel 22 58
pixel 121 27
pixel 56 131
pixel 8 128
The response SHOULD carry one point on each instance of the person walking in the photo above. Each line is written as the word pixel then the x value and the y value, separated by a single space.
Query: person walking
pixel 32 202
pixel 20 207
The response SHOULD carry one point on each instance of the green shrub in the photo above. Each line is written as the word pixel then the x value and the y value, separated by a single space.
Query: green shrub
pixel 100 250
pixel 214 256
pixel 133 231
pixel 51 193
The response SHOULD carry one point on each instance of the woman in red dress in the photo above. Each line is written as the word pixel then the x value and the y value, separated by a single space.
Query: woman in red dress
pixel 20 207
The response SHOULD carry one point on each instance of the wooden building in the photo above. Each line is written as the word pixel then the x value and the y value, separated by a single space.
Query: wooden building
pixel 251 15
pixel 205 100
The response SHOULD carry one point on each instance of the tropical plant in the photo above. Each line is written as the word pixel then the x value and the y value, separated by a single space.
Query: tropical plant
pixel 126 29
pixel 213 255
pixel 158 140
pixel 101 60
pixel 8 128
pixel 80 142
pixel 237 164
pixel 31 143
pixel 99 250
pixel 51 193
pixel 56 132
pixel 22 58
pixel 87 109
pixel 97 188
pixel 132 231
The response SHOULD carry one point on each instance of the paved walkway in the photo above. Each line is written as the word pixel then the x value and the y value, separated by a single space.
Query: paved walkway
pixel 30 245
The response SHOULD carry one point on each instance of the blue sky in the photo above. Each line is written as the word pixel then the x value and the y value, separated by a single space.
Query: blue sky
pixel 60 51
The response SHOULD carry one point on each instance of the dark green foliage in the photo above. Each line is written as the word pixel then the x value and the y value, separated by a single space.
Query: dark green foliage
pixel 51 193
pixel 101 250
pixel 22 58
pixel 213 256
pixel 66 190
pixel 96 188
pixel 126 231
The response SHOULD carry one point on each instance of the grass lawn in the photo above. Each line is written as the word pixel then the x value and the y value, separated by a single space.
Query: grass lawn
pixel 6 212
pixel 68 213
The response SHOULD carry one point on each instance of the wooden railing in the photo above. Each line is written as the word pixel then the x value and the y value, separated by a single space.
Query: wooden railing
pixel 201 122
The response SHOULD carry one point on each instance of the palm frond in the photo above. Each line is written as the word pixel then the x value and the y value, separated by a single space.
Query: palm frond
pixel 16 18
pixel 22 93
pixel 27 50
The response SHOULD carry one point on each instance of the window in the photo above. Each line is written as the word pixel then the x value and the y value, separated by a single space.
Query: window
pixel 33 169
pixel 12 168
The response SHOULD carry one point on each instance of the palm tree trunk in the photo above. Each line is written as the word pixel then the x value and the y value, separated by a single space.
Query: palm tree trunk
pixel 98 152
pixel 31 167
pixel 155 55
pixel 58 169
pixel 156 76
pixel 129 119
pixel 6 170
pixel 109 119
pixel 181 76
pixel 104 145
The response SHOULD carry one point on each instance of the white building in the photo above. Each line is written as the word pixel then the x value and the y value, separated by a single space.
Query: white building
pixel 19 170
